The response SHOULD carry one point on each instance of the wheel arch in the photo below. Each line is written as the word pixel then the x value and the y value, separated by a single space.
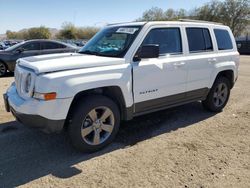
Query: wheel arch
pixel 2 61
pixel 112 92
pixel 229 74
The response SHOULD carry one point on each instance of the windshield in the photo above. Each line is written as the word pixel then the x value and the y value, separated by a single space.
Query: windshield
pixel 15 46
pixel 111 41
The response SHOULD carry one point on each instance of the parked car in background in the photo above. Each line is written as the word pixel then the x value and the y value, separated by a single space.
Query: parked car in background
pixel 3 46
pixel 243 46
pixel 78 43
pixel 9 56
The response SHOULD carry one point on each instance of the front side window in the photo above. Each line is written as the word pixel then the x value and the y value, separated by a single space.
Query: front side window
pixel 168 39
pixel 31 46
pixel 199 40
pixel 223 39
pixel 111 41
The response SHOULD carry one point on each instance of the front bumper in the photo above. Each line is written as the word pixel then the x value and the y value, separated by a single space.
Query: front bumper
pixel 48 116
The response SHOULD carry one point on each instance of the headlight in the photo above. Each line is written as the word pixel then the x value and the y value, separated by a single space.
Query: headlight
pixel 28 83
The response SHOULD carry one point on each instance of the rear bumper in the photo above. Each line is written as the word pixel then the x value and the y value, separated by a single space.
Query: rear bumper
pixel 33 113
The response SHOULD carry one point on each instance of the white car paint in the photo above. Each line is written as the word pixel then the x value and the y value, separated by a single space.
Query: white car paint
pixel 66 61
pixel 53 110
pixel 69 74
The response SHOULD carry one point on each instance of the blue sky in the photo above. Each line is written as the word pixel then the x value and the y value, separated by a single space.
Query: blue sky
pixel 19 14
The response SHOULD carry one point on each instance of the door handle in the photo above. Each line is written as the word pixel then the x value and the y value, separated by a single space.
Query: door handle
pixel 212 60
pixel 179 64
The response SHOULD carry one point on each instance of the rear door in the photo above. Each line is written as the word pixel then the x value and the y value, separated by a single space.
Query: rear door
pixel 200 59
pixel 159 82
pixel 52 47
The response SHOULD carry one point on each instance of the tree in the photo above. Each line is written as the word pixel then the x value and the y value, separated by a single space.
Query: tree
pixel 170 14
pixel 32 33
pixel 233 13
pixel 157 14
pixel 11 34
pixel 39 33
pixel 153 14
pixel 68 31
pixel 182 13
pixel 86 32
pixel 209 12
pixel 16 35
pixel 236 14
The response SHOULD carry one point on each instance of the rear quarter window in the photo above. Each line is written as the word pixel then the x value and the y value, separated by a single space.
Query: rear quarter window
pixel 223 39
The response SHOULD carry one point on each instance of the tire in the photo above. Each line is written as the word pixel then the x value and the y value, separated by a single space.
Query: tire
pixel 93 116
pixel 218 95
pixel 3 69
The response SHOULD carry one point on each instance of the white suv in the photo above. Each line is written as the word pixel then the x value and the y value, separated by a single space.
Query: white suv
pixel 125 70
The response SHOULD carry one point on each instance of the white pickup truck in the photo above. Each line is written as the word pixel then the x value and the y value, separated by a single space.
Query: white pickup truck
pixel 124 71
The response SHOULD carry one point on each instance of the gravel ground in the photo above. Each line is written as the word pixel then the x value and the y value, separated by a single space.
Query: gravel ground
pixel 181 147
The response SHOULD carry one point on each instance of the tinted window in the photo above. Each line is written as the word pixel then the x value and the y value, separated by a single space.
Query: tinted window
pixel 223 39
pixel 168 39
pixel 51 45
pixel 199 40
pixel 208 40
pixel 31 46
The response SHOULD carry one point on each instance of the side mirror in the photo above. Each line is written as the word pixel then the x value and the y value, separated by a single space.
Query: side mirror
pixel 147 51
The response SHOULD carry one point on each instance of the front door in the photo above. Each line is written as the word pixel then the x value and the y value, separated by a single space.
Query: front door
pixel 161 81
pixel 26 50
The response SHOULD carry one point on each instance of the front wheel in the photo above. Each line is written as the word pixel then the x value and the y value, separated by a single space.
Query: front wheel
pixel 218 95
pixel 95 123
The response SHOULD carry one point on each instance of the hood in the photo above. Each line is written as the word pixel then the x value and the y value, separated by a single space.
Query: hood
pixel 66 61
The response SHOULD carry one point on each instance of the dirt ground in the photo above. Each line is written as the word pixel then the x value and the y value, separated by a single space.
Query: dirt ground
pixel 181 147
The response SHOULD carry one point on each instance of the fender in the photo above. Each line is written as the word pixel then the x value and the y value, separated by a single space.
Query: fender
pixel 74 81
pixel 223 66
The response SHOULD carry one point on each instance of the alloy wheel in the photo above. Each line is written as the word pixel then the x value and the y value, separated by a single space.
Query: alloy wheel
pixel 98 125
pixel 220 95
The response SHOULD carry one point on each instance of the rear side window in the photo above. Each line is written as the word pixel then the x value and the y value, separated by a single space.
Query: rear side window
pixel 51 45
pixel 199 40
pixel 168 39
pixel 223 39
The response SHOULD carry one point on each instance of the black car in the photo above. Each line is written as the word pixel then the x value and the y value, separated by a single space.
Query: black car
pixel 9 56
pixel 2 46
pixel 243 46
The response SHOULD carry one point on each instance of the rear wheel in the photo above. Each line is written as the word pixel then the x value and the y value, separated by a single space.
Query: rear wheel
pixel 218 95
pixel 3 69
pixel 95 122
